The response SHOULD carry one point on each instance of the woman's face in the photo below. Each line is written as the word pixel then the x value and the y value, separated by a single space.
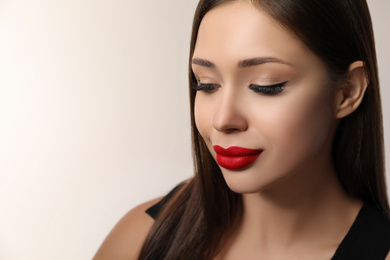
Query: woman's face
pixel 260 88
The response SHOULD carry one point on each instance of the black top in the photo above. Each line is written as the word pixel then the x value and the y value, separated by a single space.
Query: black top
pixel 367 239
pixel 155 209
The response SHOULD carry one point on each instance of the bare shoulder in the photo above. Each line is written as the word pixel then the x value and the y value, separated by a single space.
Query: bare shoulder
pixel 126 239
pixel 388 256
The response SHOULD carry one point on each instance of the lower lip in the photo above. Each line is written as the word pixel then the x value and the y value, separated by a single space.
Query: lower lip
pixel 236 162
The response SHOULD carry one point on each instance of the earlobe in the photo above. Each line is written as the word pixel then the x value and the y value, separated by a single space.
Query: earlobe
pixel 350 95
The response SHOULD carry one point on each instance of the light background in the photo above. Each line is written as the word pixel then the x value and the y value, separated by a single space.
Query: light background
pixel 94 116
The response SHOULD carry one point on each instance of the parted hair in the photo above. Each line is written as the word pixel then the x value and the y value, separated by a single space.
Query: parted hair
pixel 204 211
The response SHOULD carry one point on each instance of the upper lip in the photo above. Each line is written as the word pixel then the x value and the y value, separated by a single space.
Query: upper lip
pixel 235 151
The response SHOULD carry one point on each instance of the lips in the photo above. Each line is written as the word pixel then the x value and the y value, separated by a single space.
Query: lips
pixel 234 157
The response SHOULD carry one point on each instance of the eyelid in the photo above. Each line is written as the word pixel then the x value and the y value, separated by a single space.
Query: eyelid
pixel 262 89
pixel 205 79
pixel 204 87
pixel 269 89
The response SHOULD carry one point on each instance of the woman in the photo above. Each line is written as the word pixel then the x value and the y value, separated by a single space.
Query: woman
pixel 287 139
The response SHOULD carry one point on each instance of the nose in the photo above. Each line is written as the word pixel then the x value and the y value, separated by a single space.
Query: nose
pixel 229 115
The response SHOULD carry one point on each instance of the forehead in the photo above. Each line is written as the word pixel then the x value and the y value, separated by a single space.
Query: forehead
pixel 239 30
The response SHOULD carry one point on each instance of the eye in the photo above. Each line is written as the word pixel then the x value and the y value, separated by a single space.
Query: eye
pixel 269 89
pixel 204 87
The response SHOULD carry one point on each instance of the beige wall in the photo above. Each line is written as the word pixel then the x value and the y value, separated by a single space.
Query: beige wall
pixel 94 116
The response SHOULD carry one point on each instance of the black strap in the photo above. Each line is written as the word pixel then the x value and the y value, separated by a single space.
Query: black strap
pixel 156 208
pixel 368 238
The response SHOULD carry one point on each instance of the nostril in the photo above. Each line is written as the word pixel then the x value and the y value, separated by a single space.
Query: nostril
pixel 229 121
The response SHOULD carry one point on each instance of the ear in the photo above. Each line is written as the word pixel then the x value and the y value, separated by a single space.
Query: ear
pixel 350 95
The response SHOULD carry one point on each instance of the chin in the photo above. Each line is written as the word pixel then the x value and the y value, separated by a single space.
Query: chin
pixel 242 183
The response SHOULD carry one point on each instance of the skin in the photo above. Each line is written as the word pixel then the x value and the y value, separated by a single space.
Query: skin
pixel 294 206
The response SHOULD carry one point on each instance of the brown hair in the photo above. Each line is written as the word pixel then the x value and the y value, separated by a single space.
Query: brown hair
pixel 204 211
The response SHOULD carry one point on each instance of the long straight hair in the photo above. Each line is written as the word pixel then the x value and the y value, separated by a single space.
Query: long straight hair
pixel 195 222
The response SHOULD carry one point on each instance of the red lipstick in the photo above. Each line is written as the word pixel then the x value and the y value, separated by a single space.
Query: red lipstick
pixel 234 157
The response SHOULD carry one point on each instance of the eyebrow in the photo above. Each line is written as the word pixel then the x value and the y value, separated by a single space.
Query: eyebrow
pixel 203 63
pixel 243 63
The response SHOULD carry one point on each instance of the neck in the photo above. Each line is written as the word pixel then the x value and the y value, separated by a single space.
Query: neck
pixel 310 209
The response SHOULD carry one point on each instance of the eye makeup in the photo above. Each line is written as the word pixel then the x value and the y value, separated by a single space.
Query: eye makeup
pixel 204 87
pixel 268 89
pixel 261 89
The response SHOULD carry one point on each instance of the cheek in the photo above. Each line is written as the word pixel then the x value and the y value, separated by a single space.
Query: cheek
pixel 309 130
pixel 300 129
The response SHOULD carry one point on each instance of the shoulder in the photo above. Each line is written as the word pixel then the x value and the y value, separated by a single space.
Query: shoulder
pixel 126 239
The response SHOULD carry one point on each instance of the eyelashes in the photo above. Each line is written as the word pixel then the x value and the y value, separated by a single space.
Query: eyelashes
pixel 270 89
pixel 204 87
pixel 261 89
